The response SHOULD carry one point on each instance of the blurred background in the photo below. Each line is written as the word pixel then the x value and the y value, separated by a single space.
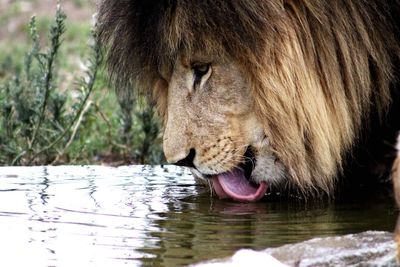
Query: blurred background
pixel 56 103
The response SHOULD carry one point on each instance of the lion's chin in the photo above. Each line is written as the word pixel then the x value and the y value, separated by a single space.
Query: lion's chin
pixel 236 186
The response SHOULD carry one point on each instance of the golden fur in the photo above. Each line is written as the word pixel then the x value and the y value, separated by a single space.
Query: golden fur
pixel 316 70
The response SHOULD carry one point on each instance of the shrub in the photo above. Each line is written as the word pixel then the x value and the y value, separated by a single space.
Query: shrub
pixel 42 123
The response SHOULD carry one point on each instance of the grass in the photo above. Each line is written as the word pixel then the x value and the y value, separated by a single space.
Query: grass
pixel 49 116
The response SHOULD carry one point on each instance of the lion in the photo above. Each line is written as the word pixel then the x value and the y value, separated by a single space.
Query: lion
pixel 260 95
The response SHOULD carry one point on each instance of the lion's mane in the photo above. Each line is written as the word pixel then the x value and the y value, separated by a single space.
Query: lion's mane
pixel 316 69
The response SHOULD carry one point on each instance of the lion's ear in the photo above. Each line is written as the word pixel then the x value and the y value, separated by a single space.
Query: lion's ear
pixel 160 96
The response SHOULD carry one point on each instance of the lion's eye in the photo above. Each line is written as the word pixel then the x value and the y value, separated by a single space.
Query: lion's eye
pixel 201 70
pixel 201 73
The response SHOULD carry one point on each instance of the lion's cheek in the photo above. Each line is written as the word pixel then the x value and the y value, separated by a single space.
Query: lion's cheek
pixel 268 169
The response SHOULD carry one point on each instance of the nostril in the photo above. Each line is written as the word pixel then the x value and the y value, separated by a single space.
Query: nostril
pixel 188 161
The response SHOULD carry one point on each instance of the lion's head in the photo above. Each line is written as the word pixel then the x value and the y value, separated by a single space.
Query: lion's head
pixel 211 126
pixel 255 93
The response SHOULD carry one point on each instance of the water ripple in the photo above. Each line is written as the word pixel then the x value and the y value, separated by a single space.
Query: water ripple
pixel 151 216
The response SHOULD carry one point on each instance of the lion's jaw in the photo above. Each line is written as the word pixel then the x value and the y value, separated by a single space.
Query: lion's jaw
pixel 213 118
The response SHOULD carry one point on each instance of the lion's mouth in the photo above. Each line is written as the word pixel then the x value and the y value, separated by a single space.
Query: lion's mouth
pixel 237 183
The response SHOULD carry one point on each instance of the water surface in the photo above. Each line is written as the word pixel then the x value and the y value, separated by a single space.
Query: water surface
pixel 145 216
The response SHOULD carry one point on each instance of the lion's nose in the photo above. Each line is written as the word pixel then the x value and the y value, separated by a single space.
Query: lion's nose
pixel 188 160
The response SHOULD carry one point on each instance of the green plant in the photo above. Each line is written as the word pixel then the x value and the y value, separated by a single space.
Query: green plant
pixel 37 125
pixel 45 119
pixel 146 139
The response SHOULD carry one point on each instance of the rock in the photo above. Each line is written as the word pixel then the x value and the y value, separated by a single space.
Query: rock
pixel 364 249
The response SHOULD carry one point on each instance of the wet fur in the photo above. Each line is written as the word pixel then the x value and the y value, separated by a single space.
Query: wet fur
pixel 319 71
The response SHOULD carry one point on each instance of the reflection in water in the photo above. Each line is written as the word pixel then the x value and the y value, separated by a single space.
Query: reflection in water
pixel 101 216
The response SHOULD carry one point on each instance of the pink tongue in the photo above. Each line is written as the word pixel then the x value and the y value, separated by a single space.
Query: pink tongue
pixel 235 185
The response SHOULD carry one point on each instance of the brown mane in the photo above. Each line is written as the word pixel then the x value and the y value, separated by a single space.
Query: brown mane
pixel 316 69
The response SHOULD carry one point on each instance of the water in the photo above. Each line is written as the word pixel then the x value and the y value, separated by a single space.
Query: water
pixel 144 216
